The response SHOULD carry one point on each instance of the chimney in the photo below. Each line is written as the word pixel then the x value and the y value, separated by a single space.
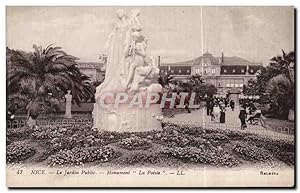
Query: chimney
pixel 222 57
pixel 158 61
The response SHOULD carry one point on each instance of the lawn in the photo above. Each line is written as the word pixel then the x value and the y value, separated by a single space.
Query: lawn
pixel 173 146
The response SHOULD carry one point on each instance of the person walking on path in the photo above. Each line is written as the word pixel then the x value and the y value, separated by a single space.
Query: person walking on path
pixel 222 114
pixel 216 111
pixel 209 107
pixel 243 117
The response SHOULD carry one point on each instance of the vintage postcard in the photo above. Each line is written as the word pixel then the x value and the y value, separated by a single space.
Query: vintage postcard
pixel 156 96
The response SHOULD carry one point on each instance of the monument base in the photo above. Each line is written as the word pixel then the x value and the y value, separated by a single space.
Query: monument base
pixel 68 116
pixel 125 119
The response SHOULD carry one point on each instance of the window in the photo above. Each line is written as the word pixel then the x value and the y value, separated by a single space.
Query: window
pixel 213 71
pixel 188 71
pixel 179 71
pixel 198 71
pixel 241 85
pixel 224 70
pixel 236 85
pixel 231 85
pixel 243 71
pixel 251 71
pixel 227 85
pixel 172 71
pixel 233 70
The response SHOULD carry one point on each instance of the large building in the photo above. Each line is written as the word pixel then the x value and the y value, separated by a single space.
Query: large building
pixel 227 74
pixel 94 70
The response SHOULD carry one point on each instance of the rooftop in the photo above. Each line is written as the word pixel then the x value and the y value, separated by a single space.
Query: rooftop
pixel 234 60
pixel 82 65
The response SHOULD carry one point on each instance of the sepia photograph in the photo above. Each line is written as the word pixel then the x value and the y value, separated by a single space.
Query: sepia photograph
pixel 150 96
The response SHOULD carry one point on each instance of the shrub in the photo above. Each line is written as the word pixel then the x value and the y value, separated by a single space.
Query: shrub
pixel 134 142
pixel 251 152
pixel 197 155
pixel 235 135
pixel 19 133
pixel 172 138
pixel 80 156
pixel 18 151
pixel 144 158
pixel 202 143
pixel 281 149
pixel 112 136
pixel 216 136
pixel 47 132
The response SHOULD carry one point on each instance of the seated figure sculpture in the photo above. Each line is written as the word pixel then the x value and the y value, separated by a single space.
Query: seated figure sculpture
pixel 138 56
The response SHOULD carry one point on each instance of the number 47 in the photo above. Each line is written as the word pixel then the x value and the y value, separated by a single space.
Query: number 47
pixel 19 171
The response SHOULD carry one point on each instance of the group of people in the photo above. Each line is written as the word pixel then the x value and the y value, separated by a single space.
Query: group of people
pixel 216 109
pixel 249 113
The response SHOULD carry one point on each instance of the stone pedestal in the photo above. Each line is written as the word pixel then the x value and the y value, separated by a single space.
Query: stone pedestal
pixel 125 119
pixel 31 122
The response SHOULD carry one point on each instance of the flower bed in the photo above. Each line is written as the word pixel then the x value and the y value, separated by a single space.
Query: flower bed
pixel 134 143
pixel 144 158
pixel 281 149
pixel 48 132
pixel 19 133
pixel 251 152
pixel 201 155
pixel 18 151
pixel 79 144
pixel 80 156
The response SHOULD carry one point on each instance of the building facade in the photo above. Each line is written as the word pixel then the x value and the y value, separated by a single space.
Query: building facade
pixel 93 70
pixel 227 74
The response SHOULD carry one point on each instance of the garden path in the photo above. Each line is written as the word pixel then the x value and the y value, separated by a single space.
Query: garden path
pixel 199 117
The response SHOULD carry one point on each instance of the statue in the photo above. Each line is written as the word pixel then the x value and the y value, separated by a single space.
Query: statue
pixel 115 49
pixel 138 55
pixel 134 21
pixel 131 72
pixel 68 97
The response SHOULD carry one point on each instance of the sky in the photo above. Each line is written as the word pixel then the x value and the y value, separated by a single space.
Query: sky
pixel 253 33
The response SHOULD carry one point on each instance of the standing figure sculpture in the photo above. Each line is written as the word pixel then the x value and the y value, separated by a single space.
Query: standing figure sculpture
pixel 68 97
pixel 115 48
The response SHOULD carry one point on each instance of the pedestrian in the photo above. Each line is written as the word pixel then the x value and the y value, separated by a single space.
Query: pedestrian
pixel 222 114
pixel 256 118
pixel 208 106
pixel 243 117
pixel 216 111
pixel 226 102
pixel 232 105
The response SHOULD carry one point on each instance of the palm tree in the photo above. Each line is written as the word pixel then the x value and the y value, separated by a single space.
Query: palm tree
pixel 281 87
pixel 38 80
pixel 285 64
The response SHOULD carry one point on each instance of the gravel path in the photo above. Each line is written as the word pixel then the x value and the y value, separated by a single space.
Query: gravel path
pixel 199 118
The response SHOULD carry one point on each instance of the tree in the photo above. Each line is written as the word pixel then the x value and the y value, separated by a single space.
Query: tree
pixel 275 84
pixel 281 88
pixel 164 80
pixel 38 80
pixel 195 84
